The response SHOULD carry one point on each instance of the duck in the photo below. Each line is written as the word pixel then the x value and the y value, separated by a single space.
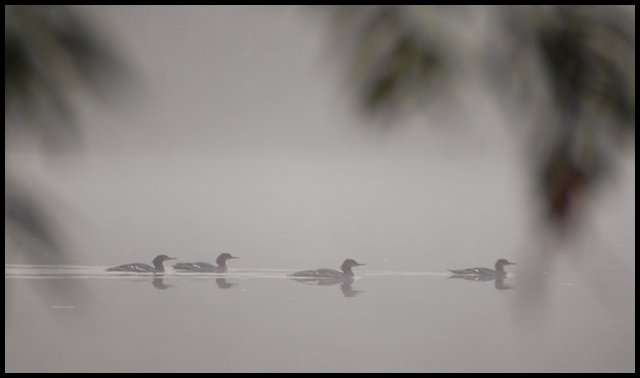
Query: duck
pixel 158 266
pixel 204 267
pixel 485 272
pixel 330 273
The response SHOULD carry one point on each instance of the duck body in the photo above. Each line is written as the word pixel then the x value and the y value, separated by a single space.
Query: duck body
pixel 329 273
pixel 158 266
pixel 205 267
pixel 485 272
pixel 200 267
pixel 319 273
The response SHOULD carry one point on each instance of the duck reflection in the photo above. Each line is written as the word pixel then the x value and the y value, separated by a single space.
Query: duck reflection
pixel 158 283
pixel 345 284
pixel 223 284
pixel 498 282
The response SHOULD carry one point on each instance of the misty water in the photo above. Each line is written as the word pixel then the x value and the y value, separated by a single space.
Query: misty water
pixel 237 133
pixel 407 220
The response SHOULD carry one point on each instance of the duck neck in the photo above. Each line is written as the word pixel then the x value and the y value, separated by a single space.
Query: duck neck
pixel 222 263
pixel 346 270
pixel 159 265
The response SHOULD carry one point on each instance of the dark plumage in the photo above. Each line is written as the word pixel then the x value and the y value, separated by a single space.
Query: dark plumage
pixel 157 267
pixel 204 267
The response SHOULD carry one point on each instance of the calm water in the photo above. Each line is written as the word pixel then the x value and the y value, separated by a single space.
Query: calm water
pixel 563 308
pixel 261 320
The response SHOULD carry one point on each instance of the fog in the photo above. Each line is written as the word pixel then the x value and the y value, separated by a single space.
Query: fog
pixel 238 134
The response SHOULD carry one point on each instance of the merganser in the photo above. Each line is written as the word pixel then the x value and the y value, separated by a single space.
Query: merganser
pixel 330 273
pixel 157 267
pixel 485 272
pixel 204 267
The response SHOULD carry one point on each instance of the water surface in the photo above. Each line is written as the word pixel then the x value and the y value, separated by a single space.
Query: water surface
pixel 252 320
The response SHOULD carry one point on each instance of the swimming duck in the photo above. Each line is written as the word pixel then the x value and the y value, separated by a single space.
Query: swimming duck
pixel 485 272
pixel 204 267
pixel 330 273
pixel 157 267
